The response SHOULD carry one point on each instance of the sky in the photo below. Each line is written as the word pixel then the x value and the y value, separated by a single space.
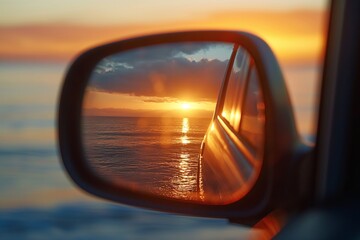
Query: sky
pixel 173 79
pixel 18 12
pixel 57 31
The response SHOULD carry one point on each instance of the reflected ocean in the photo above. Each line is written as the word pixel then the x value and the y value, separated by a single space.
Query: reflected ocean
pixel 157 155
pixel 37 199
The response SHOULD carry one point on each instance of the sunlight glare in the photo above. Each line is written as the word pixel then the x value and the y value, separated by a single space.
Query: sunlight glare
pixel 185 106
pixel 185 126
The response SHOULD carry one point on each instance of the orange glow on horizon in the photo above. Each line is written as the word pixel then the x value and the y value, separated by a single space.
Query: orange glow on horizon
pixel 294 35
pixel 185 106
pixel 110 104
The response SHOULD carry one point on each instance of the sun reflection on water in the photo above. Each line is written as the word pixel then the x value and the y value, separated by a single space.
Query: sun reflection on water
pixel 185 180
pixel 185 125
pixel 185 129
pixel 184 140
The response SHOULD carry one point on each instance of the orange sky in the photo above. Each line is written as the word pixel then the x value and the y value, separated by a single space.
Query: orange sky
pixel 295 36
pixel 107 104
pixel 161 81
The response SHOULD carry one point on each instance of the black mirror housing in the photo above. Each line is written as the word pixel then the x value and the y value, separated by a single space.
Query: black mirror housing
pixel 283 150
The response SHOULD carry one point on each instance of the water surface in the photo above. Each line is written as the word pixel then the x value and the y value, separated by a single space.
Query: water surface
pixel 38 200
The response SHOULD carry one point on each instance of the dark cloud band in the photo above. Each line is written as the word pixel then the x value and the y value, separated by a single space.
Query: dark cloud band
pixel 169 73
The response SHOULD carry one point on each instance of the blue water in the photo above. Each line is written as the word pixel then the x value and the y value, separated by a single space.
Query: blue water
pixel 37 199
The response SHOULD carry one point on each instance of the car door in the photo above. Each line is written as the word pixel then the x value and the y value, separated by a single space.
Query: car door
pixel 232 150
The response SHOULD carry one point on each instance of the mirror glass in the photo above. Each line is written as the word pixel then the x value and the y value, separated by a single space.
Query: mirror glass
pixel 146 112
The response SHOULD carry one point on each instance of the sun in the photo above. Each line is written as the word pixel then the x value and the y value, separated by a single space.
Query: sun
pixel 185 106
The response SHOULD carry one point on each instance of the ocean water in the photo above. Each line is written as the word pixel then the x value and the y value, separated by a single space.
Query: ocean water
pixel 157 155
pixel 37 198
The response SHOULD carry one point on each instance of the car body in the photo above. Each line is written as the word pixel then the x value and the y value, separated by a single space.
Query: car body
pixel 232 151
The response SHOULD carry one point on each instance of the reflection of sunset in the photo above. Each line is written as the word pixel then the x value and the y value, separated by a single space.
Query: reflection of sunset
pixel 185 125
pixel 185 106
pixel 185 140
pixel 185 157
pixel 159 81
pixel 108 104
pixel 185 180
pixel 185 129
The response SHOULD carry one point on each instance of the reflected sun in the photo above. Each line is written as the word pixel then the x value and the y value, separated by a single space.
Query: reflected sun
pixel 185 106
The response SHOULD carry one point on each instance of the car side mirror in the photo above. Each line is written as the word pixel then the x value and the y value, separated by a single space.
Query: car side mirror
pixel 195 123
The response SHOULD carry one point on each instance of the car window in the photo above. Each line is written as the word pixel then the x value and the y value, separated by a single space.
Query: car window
pixel 243 106
pixel 231 110
pixel 253 114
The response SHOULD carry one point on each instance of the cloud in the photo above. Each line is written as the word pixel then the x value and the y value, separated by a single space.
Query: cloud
pixel 157 53
pixel 178 78
pixel 159 100
pixel 162 72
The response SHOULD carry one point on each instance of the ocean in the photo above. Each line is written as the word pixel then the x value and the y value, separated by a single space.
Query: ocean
pixel 39 201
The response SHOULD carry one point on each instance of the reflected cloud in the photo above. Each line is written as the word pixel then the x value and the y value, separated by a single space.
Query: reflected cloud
pixel 165 71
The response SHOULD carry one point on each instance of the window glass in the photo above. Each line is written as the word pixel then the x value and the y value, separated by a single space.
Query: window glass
pixel 232 103
pixel 253 117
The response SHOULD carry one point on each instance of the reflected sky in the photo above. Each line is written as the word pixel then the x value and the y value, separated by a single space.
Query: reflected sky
pixel 176 80
pixel 175 72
